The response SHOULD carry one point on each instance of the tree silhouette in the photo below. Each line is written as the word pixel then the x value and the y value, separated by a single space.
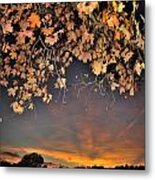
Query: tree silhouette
pixel 5 164
pixel 31 160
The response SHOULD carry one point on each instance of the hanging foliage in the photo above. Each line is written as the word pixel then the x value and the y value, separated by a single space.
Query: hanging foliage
pixel 40 41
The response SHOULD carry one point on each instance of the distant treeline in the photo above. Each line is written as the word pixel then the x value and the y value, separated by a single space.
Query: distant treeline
pixel 37 161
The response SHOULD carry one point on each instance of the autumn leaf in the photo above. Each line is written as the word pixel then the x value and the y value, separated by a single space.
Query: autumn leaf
pixel 47 98
pixel 114 85
pixel 131 92
pixel 72 36
pixel 47 31
pixel 115 5
pixel 51 40
pixel 127 54
pixel 34 20
pixel 117 35
pixel 113 21
pixel 26 96
pixel 85 57
pixel 105 36
pixel 13 55
pixel 118 7
pixel 138 68
pixel 7 28
pixel 87 8
pixel 12 91
pixel 31 106
pixel 121 6
pixel 27 33
pixel 61 83
pixel 127 34
pixel 4 82
pixel 17 108
pixel 97 67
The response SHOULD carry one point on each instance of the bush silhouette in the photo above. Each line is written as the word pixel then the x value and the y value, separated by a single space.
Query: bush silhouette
pixel 31 160
pixel 5 164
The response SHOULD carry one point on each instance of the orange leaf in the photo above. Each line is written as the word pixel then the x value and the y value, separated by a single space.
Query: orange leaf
pixel 117 35
pixel 113 21
pixel 97 67
pixel 34 20
pixel 127 34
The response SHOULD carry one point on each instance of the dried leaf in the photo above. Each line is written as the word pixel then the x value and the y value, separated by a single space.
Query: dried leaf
pixel 17 108
pixel 34 20
pixel 97 67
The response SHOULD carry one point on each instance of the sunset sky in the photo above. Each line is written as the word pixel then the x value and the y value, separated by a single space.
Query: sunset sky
pixel 89 130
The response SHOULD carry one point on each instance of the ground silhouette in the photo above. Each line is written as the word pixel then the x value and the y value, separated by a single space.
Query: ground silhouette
pixel 37 161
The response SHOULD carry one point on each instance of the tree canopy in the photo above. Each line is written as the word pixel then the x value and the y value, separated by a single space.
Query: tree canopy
pixel 39 41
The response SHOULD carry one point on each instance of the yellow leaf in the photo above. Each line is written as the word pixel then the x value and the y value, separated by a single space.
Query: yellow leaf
pixel 138 68
pixel 26 96
pixel 114 4
pixel 97 67
pixel 121 6
pixel 31 106
pixel 127 34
